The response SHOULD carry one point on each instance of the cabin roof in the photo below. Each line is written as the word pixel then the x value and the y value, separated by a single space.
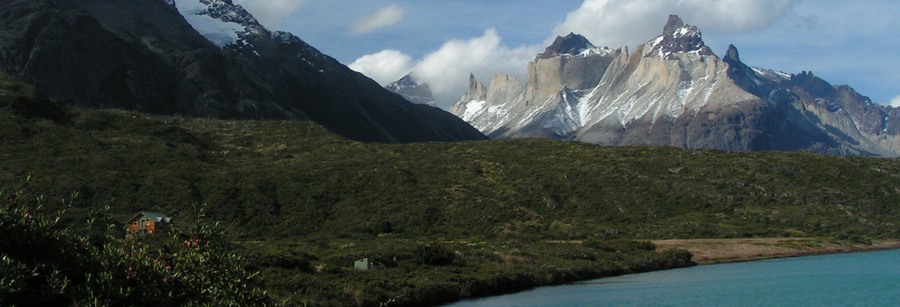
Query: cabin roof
pixel 155 216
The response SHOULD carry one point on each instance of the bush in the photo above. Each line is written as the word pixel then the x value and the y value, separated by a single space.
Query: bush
pixel 433 255
pixel 619 245
pixel 853 237
pixel 44 264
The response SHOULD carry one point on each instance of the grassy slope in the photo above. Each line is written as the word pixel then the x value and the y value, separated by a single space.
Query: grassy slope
pixel 294 179
pixel 307 202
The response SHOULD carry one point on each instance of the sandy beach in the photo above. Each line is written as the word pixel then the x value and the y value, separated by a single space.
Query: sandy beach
pixel 708 251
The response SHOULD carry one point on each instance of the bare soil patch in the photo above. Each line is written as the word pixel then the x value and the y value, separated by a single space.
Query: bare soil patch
pixel 707 251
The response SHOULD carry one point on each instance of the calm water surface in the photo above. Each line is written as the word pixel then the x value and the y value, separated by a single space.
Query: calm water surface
pixel 858 279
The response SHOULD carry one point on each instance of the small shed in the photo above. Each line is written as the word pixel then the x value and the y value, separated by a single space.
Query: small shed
pixel 363 264
pixel 149 223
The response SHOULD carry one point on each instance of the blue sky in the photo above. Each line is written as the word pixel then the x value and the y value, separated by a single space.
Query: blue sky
pixel 442 41
pixel 425 25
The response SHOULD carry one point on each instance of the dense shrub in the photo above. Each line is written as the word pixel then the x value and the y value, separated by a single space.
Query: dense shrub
pixel 42 263
pixel 619 245
pixel 433 255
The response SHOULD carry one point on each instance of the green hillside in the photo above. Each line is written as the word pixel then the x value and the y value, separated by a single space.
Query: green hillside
pixel 304 203
pixel 294 179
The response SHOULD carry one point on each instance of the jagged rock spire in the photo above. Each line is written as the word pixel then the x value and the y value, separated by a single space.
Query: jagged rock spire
pixel 673 24
pixel 732 54
pixel 477 91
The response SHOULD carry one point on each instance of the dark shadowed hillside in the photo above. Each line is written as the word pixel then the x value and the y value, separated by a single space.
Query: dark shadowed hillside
pixel 143 55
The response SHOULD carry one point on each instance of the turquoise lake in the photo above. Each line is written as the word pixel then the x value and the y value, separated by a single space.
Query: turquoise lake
pixel 856 279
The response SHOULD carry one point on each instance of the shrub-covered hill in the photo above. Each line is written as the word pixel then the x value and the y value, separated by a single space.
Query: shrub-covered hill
pixel 291 179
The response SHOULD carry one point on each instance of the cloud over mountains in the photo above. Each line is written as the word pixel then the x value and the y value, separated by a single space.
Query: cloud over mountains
pixel 384 66
pixel 612 23
pixel 786 35
pixel 616 23
pixel 895 102
pixel 446 69
pixel 380 19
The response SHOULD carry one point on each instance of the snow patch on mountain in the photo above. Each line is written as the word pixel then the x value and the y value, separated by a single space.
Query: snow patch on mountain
pixel 584 105
pixel 771 75
pixel 219 32
pixel 472 108
pixel 589 51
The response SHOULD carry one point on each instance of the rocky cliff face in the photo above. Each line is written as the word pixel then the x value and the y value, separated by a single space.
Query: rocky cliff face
pixel 207 58
pixel 675 91
pixel 546 105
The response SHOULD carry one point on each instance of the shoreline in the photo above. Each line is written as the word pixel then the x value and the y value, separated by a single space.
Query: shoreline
pixel 722 251
pixel 712 251
pixel 719 251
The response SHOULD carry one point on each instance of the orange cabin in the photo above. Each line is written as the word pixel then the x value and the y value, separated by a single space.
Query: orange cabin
pixel 149 223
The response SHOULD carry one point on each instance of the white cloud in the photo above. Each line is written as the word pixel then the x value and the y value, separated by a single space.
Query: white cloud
pixel 382 18
pixel 270 12
pixel 895 102
pixel 447 69
pixel 617 23
pixel 384 67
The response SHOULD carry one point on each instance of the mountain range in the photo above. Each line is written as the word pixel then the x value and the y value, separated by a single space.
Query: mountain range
pixel 201 58
pixel 674 91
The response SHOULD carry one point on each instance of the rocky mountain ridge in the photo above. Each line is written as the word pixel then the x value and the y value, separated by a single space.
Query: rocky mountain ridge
pixel 571 45
pixel 201 58
pixel 674 91
pixel 413 91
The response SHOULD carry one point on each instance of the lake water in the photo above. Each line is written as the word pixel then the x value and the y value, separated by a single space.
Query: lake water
pixel 857 279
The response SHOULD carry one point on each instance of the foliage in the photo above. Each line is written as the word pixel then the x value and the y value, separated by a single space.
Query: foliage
pixel 27 101
pixel 294 180
pixel 45 263
pixel 619 245
pixel 434 255
pixel 478 269
pixel 291 179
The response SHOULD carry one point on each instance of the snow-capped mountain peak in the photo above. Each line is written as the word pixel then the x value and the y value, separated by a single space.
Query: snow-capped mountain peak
pixel 412 90
pixel 404 82
pixel 677 37
pixel 222 22
pixel 230 26
pixel 571 45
